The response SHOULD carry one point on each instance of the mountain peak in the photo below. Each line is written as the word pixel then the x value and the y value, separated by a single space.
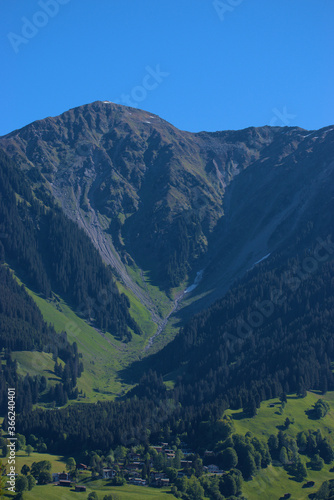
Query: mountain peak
pixel 158 196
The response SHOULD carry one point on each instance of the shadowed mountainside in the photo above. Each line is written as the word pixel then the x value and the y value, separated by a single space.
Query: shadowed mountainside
pixel 161 204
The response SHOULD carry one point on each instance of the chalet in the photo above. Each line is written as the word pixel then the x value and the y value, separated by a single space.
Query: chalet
pixel 60 476
pixel 64 482
pixel 82 467
pixel 63 476
pixel 162 482
pixel 186 452
pixel 134 465
pixel 134 473
pixel 108 473
pixel 186 463
pixel 214 469
pixel 80 488
pixel 138 481
pixel 156 475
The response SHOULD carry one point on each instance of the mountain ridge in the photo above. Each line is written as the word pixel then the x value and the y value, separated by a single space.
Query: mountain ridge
pixel 159 203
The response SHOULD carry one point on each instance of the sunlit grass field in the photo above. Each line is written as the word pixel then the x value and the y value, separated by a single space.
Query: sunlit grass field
pixel 274 482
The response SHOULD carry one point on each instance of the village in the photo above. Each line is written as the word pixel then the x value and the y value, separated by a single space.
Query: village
pixel 158 468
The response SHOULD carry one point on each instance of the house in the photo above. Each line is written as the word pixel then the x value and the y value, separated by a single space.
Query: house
pixel 80 488
pixel 186 463
pixel 135 465
pixel 63 476
pixel 82 467
pixel 108 473
pixel 162 482
pixel 209 453
pixel 134 474
pixel 214 469
pixel 138 481
pixel 60 476
pixel 156 476
pixel 186 452
pixel 64 482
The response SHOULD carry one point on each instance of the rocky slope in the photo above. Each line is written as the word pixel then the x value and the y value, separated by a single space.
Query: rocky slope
pixel 169 202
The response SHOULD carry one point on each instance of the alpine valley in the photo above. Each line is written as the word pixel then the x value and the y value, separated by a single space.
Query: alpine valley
pixel 167 308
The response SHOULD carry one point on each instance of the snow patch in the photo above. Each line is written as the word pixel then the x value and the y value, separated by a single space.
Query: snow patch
pixel 258 262
pixel 263 258
pixel 198 278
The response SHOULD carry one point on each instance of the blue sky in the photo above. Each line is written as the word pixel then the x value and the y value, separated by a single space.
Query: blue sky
pixel 200 64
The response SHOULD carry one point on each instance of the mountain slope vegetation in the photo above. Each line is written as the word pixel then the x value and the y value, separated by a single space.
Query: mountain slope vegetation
pixel 104 193
pixel 161 204
pixel 51 253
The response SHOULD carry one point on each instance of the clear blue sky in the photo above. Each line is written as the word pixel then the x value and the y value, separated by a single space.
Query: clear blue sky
pixel 247 62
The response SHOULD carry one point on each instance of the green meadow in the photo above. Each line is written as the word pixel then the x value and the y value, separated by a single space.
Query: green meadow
pixel 103 356
pixel 274 482
pixel 127 492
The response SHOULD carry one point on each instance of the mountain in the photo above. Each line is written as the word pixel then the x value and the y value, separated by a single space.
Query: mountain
pixel 228 233
pixel 161 204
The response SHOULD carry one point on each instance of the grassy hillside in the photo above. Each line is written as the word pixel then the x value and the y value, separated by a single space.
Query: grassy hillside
pixel 103 356
pixel 268 419
pixel 57 462
pixel 36 363
pixel 274 482
pixel 127 492
pixel 141 315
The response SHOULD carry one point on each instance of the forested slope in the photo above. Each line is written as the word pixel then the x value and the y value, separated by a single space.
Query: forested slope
pixel 51 253
pixel 271 334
